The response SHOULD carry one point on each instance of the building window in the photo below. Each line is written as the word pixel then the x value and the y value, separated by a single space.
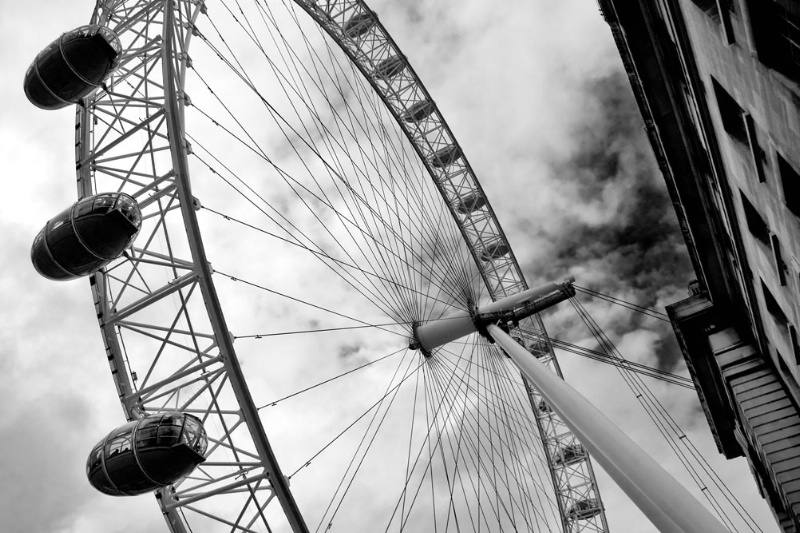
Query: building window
pixel 777 257
pixel 795 344
pixel 774 307
pixel 731 113
pixel 776 28
pixel 756 153
pixel 755 223
pixel 719 11
pixel 791 185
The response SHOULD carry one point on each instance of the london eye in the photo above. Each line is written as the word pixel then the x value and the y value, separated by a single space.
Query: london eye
pixel 289 200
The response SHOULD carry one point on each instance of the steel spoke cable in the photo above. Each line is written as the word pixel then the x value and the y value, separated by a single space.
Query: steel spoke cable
pixel 351 66
pixel 515 435
pixel 325 382
pixel 321 254
pixel 436 392
pixel 438 440
pixel 493 449
pixel 368 447
pixel 672 427
pixel 502 444
pixel 679 437
pixel 476 449
pixel 308 462
pixel 428 401
pixel 662 418
pixel 285 175
pixel 517 431
pixel 450 483
pixel 378 197
pixel 227 217
pixel 298 244
pixel 411 435
pixel 239 191
pixel 628 305
pixel 669 432
pixel 385 193
pixel 527 429
pixel 633 366
pixel 439 436
pixel 459 453
pixel 498 414
pixel 266 103
pixel 319 330
pixel 522 410
pixel 373 297
pixel 299 300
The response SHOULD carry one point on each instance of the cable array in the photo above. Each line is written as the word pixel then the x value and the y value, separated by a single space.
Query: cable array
pixel 707 480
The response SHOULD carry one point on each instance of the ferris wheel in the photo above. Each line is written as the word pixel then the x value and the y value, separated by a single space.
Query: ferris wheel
pixel 291 169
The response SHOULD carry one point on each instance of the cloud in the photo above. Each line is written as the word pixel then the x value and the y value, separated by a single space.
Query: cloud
pixel 348 351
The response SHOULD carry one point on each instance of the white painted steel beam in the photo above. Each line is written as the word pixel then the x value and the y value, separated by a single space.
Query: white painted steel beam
pixel 436 333
pixel 667 503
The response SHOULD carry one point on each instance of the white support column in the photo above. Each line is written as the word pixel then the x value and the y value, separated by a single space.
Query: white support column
pixel 667 503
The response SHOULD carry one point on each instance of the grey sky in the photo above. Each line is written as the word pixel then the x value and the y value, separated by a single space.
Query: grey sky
pixel 537 97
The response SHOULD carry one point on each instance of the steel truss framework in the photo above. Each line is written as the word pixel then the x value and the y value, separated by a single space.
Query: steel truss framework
pixel 129 136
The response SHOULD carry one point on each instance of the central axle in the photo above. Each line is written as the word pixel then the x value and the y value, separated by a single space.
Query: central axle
pixel 510 309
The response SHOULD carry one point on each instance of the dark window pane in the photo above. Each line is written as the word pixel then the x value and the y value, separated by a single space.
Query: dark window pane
pixel 773 306
pixel 755 223
pixel 776 29
pixel 791 185
pixel 731 113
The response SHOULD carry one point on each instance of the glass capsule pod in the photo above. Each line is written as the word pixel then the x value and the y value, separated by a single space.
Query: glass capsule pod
pixel 147 454
pixel 72 66
pixel 583 509
pixel 470 202
pixel 544 407
pixel 389 68
pixel 419 111
pixel 86 236
pixel 493 251
pixel 570 454
pixel 445 156
pixel 358 25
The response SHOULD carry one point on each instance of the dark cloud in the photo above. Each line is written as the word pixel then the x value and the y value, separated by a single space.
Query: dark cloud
pixel 345 352
pixel 640 245
pixel 634 247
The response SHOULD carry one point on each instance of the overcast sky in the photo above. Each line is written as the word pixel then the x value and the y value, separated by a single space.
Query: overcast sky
pixel 535 93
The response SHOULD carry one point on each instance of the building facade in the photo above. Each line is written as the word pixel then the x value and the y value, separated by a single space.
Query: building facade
pixel 718 86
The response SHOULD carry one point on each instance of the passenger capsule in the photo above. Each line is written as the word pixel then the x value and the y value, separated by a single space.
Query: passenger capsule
pixel 359 24
pixel 147 454
pixel 87 236
pixel 446 156
pixel 493 251
pixel 570 454
pixel 72 66
pixel 583 509
pixel 544 407
pixel 389 68
pixel 470 202
pixel 419 111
